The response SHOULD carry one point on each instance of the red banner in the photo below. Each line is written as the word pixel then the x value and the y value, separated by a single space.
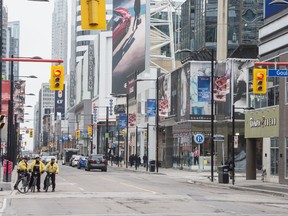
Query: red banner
pixel 5 96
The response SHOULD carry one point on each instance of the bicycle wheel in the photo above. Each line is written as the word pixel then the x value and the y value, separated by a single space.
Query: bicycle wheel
pixel 48 183
pixel 22 186
pixel 34 184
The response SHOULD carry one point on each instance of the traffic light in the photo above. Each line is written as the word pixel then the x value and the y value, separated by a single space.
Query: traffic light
pixel 90 130
pixel 77 134
pixel 57 78
pixel 31 133
pixel 93 14
pixel 1 121
pixel 259 81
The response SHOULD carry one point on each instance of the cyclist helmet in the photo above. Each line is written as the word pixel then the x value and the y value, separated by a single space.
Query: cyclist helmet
pixel 53 158
pixel 25 157
pixel 37 156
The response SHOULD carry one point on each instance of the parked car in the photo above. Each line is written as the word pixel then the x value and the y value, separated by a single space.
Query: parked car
pixel 98 161
pixel 71 159
pixel 47 159
pixel 75 160
pixel 81 162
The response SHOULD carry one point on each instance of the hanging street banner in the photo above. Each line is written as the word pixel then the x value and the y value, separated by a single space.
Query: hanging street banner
pixel 204 89
pixel 60 103
pixel 151 107
pixel 122 120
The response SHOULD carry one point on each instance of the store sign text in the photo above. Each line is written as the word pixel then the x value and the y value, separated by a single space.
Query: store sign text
pixel 264 122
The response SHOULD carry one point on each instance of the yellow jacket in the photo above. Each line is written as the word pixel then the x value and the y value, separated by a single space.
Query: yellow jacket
pixel 52 168
pixel 22 166
pixel 41 166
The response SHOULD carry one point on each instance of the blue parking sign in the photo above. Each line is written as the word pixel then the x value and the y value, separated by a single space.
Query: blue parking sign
pixel 199 138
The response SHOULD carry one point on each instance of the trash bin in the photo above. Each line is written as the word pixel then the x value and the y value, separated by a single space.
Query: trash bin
pixel 223 174
pixel 152 165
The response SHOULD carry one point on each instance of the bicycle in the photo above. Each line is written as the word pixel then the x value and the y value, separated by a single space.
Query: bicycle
pixel 22 183
pixel 47 181
pixel 34 183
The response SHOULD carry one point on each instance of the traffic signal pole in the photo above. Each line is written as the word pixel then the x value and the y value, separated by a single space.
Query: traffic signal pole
pixel 11 147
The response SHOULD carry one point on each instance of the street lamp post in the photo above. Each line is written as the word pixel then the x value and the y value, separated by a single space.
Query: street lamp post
pixel 156 118
pixel 127 126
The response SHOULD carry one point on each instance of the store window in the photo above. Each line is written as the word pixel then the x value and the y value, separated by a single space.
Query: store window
pixel 274 152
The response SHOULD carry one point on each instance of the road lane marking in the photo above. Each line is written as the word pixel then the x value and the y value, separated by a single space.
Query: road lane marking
pixel 3 206
pixel 81 188
pixel 143 189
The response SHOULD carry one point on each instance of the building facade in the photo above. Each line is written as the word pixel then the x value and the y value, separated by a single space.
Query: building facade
pixel 271 108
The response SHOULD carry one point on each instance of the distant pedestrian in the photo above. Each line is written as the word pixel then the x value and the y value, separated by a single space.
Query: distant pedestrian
pixel 145 158
pixel 131 160
pixel 196 156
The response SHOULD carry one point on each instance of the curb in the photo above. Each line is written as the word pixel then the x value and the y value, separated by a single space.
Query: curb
pixel 241 188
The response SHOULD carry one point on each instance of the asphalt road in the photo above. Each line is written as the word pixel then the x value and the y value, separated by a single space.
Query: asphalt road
pixel 120 192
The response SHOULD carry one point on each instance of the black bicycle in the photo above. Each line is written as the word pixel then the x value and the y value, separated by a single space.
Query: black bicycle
pixel 48 181
pixel 22 183
pixel 34 183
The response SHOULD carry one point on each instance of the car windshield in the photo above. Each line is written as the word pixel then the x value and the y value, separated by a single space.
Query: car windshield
pixel 97 157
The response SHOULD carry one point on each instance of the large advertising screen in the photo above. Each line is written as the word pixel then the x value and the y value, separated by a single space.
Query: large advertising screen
pixel 128 26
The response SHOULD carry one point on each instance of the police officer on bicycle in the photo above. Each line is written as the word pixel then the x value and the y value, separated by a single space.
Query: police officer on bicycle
pixel 52 169
pixel 37 168
pixel 22 169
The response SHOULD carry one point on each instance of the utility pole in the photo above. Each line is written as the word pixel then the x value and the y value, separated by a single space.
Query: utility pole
pixel 107 132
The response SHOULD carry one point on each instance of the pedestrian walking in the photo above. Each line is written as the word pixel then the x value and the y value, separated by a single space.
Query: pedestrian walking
pixel 196 156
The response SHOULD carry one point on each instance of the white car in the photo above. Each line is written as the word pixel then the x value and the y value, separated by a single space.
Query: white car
pixel 75 160
pixel 47 159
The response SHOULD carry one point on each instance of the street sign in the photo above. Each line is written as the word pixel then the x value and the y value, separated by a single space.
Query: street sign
pixel 199 138
pixel 218 137
pixel 235 141
pixel 278 73
pixel 66 137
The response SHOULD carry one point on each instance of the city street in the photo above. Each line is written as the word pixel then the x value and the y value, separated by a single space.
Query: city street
pixel 122 192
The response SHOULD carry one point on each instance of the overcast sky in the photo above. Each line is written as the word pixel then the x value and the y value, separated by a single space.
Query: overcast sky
pixel 35 40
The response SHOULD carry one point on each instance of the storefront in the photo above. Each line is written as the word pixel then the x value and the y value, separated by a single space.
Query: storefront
pixel 262 134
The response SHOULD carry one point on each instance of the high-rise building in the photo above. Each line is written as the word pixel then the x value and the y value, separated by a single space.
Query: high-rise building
pixel 199 23
pixel 13 36
pixel 60 31
pixel 46 102
pixel 4 39
pixel 80 41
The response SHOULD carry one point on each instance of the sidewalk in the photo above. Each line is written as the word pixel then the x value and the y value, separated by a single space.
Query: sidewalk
pixel 203 177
